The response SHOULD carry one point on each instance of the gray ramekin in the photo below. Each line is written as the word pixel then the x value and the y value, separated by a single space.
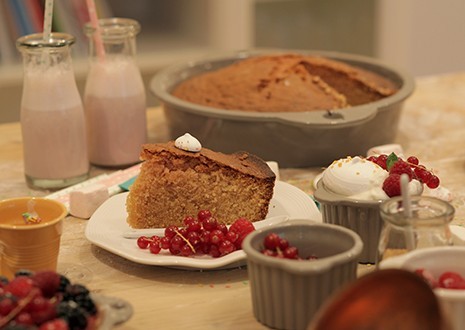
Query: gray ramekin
pixel 287 293
pixel 363 217
pixel 293 139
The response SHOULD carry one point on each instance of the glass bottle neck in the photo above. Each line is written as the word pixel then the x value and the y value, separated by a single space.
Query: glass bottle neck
pixel 39 53
pixel 116 36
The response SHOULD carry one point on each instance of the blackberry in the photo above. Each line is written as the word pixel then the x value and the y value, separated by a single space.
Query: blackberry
pixel 81 296
pixel 4 280
pixel 75 290
pixel 23 272
pixel 64 282
pixel 73 314
pixel 86 303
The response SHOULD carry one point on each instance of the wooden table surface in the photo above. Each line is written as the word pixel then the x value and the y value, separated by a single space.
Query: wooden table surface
pixel 432 127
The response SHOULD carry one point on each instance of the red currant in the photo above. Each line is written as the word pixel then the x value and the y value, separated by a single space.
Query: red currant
pixel 433 182
pixel 210 223
pixel 271 241
pixel 413 160
pixel 155 247
pixel 171 231
pixel 216 236
pixel 165 242
pixel 381 161
pixel 202 235
pixel 194 226
pixel 278 247
pixel 291 252
pixel 203 215
pixel 226 247
pixel 187 220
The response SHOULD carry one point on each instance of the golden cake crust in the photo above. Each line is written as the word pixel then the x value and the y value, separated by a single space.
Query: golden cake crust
pixel 285 83
pixel 174 183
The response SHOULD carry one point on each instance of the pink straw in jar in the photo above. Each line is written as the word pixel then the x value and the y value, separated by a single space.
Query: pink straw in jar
pixel 97 35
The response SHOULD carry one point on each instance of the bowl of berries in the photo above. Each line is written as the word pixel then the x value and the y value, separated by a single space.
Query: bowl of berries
pixel 352 189
pixel 293 267
pixel 443 270
pixel 48 300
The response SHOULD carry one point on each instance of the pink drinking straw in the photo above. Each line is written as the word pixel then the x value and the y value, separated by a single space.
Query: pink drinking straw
pixel 97 35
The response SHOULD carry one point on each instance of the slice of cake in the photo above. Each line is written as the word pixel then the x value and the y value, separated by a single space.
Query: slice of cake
pixel 174 183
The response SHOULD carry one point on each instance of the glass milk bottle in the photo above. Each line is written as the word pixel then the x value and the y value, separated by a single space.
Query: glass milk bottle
pixel 115 100
pixel 52 115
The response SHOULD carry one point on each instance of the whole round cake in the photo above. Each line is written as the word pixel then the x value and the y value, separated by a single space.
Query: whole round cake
pixel 285 83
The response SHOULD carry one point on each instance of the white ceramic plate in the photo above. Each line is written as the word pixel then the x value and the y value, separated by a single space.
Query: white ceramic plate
pixel 108 224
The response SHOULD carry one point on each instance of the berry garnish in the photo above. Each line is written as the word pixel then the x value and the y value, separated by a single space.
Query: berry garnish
pixel 47 281
pixel 400 167
pixel 201 235
pixel 278 247
pixel 45 300
pixel 446 280
pixel 451 280
pixel 397 166
pixel 391 185
pixel 242 227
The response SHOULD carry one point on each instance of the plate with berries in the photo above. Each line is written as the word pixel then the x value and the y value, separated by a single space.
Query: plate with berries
pixel 202 242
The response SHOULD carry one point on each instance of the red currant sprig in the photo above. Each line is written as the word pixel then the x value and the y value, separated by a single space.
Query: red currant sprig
pixel 275 246
pixel 201 235
pixel 397 166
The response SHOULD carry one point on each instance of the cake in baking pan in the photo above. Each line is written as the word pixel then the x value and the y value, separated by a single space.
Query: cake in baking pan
pixel 285 83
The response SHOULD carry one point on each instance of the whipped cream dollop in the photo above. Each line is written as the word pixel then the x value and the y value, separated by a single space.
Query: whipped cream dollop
pixel 188 143
pixel 359 178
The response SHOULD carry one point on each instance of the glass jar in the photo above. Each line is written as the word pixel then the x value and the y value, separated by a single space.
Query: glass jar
pixel 52 115
pixel 427 225
pixel 114 98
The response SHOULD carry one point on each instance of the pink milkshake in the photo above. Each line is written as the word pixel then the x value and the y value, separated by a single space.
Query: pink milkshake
pixel 52 115
pixel 114 101
pixel 115 108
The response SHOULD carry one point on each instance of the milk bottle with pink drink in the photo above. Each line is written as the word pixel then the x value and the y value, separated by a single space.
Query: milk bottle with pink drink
pixel 52 115
pixel 115 101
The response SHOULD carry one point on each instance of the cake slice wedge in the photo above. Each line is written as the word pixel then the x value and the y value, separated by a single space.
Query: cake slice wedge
pixel 175 183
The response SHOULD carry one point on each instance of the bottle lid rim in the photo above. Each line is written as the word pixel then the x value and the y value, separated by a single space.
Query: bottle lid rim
pixel 36 40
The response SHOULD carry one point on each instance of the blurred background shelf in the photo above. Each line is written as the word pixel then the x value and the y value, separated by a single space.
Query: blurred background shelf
pixel 421 36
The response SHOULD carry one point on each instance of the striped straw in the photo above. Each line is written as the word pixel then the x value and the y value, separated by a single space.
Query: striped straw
pixel 97 35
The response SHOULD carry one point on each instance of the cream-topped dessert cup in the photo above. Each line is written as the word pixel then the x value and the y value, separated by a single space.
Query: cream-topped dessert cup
pixel 361 216
pixel 350 193
pixel 34 245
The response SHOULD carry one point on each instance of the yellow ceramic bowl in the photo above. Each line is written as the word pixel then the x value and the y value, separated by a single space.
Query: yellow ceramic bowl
pixel 32 245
